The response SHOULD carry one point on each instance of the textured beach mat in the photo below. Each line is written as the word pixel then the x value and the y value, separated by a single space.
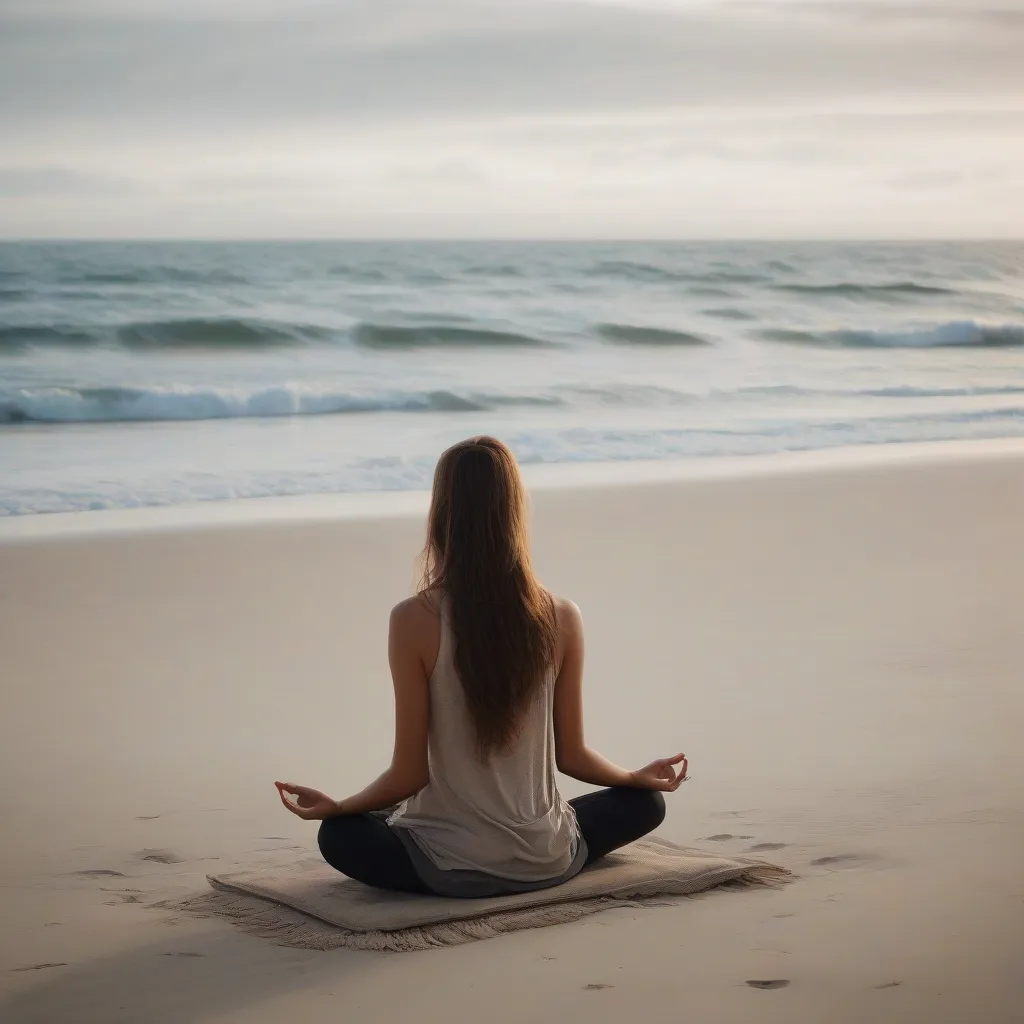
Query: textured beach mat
pixel 309 905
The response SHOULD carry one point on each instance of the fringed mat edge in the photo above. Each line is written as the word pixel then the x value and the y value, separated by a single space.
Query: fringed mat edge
pixel 285 926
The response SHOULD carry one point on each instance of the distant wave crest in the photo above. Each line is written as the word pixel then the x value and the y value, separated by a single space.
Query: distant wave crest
pixel 187 333
pixel 894 391
pixel 240 333
pixel 357 272
pixel 729 313
pixel 494 270
pixel 957 334
pixel 383 336
pixel 854 290
pixel 225 332
pixel 151 275
pixel 15 337
pixel 634 270
pixel 636 334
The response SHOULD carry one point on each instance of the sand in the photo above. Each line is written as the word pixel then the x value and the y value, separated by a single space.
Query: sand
pixel 835 640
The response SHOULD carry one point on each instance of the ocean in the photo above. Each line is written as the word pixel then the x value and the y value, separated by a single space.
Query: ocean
pixel 137 374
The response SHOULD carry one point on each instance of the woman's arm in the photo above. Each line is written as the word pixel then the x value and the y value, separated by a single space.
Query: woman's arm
pixel 573 757
pixel 408 638
pixel 408 772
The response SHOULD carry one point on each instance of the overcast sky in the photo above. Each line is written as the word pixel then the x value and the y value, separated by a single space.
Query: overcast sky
pixel 468 118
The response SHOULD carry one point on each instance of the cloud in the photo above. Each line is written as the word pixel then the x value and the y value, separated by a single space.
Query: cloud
pixel 32 182
pixel 359 60
pixel 468 116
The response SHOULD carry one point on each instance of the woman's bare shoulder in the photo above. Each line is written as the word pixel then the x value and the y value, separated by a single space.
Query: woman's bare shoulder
pixel 421 611
pixel 416 627
pixel 564 608
pixel 568 618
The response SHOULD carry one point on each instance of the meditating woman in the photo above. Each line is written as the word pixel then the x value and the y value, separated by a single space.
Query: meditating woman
pixel 488 677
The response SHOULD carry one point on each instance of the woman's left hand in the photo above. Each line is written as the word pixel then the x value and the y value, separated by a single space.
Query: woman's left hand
pixel 662 774
pixel 310 804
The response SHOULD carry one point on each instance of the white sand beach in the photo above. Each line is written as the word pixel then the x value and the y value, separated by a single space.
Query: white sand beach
pixel 834 639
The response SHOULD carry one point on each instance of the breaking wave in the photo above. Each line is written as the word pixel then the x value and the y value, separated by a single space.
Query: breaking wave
pixel 957 334
pixel 140 404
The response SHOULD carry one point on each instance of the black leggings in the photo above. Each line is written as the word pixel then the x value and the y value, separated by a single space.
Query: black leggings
pixel 364 847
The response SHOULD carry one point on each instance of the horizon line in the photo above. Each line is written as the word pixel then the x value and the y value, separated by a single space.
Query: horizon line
pixel 503 239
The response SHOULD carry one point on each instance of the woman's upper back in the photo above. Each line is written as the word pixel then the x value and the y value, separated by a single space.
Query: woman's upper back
pixel 501 814
pixel 416 623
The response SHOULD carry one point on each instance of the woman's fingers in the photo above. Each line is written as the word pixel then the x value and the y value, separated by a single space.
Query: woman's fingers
pixel 665 766
pixel 295 808
pixel 291 787
pixel 673 777
pixel 305 795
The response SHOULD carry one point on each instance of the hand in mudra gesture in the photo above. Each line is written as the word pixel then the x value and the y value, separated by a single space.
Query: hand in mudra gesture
pixel 662 774
pixel 310 804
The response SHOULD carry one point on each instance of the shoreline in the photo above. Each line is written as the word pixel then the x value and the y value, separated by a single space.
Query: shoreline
pixel 366 505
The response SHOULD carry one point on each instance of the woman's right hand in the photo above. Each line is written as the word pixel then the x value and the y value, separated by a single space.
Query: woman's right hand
pixel 310 804
pixel 662 774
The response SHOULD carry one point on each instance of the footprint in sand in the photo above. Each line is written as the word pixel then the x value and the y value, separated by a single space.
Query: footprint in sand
pixel 124 896
pixel 721 837
pixel 765 847
pixel 837 860
pixel 159 856
pixel 38 967
pixel 770 983
pixel 99 873
pixel 840 861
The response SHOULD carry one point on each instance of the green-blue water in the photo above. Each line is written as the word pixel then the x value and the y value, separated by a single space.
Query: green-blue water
pixel 156 373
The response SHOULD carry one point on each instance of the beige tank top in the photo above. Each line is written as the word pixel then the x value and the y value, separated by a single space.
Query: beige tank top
pixel 505 818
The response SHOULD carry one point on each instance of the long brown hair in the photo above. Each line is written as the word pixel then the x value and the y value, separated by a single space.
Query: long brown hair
pixel 478 555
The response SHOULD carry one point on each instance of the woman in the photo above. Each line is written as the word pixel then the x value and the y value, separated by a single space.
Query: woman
pixel 488 672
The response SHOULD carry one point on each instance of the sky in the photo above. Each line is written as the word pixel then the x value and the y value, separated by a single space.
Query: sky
pixel 512 118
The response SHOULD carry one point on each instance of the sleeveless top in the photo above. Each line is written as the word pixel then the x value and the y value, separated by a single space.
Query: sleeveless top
pixel 485 829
